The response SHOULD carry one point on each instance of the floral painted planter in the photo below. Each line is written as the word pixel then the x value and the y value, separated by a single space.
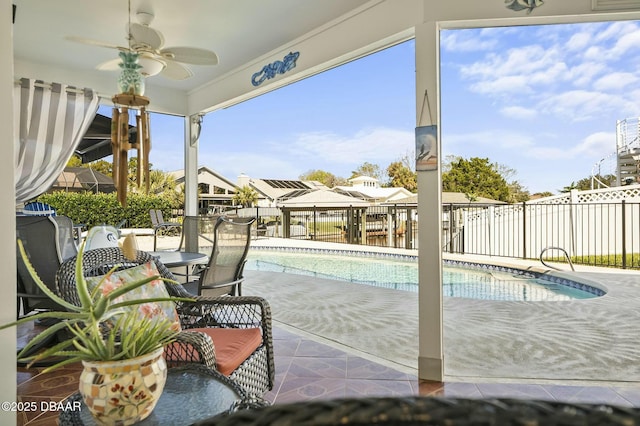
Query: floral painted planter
pixel 123 392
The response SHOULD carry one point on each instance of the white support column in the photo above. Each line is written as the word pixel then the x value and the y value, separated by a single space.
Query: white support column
pixel 191 136
pixel 430 323
pixel 7 218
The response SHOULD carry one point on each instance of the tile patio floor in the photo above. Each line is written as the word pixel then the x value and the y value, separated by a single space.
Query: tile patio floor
pixel 307 369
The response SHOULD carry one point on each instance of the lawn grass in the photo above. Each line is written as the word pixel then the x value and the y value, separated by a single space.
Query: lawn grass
pixel 606 260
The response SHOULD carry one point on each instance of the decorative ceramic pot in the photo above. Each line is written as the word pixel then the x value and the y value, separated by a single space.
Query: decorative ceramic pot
pixel 123 392
pixel 130 80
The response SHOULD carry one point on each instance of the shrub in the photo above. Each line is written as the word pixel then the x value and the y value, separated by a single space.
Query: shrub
pixel 97 209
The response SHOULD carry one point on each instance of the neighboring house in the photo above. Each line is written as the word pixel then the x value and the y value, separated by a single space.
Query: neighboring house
pixel 368 188
pixel 214 190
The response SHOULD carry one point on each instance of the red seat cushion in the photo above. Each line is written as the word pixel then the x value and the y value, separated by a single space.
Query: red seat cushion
pixel 233 345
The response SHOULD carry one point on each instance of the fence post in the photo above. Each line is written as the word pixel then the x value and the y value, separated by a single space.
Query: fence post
pixel 524 229
pixel 452 229
pixel 315 222
pixel 624 234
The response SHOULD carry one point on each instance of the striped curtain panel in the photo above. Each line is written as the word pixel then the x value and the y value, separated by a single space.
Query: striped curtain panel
pixel 50 120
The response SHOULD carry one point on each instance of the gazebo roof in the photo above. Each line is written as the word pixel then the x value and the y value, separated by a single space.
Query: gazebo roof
pixel 323 198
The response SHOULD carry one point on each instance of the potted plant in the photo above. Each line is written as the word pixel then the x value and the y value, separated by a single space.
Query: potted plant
pixel 119 341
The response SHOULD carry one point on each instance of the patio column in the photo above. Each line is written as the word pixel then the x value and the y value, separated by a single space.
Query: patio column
pixel 430 323
pixel 191 138
pixel 7 218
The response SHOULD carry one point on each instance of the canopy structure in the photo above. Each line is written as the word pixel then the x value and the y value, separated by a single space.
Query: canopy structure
pixel 96 143
pixel 77 179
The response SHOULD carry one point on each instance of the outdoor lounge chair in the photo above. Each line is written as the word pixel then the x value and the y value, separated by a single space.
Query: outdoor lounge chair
pixel 160 227
pixel 230 334
pixel 66 239
pixel 223 274
pixel 36 208
pixel 40 238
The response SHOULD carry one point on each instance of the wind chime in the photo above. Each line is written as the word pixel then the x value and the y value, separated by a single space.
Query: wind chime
pixel 128 101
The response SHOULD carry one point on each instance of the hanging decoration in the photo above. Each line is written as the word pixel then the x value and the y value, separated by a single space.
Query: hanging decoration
pixel 131 85
pixel 124 104
pixel 518 5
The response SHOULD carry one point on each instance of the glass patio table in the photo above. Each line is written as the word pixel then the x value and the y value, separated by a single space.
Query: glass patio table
pixel 192 393
pixel 178 259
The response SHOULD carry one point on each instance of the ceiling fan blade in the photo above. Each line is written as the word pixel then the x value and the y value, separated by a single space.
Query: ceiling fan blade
pixel 190 55
pixel 110 65
pixel 147 36
pixel 176 71
pixel 94 42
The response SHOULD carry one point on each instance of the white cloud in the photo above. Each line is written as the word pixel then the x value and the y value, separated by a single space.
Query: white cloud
pixel 583 74
pixel 497 139
pixel 538 147
pixel 578 105
pixel 379 145
pixel 516 84
pixel 615 81
pixel 519 113
pixel 517 72
pixel 459 41
pixel 599 144
pixel 593 147
pixel 579 41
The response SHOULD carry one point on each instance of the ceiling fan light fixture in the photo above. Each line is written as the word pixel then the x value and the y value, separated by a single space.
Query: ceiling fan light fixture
pixel 150 66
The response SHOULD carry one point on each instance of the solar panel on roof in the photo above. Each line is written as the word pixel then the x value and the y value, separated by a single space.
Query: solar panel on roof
pixel 285 184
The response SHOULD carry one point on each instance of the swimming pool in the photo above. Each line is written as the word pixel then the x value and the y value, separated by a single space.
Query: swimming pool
pixel 401 273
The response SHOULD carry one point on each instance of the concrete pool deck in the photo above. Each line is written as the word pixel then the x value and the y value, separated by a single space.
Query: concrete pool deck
pixel 591 340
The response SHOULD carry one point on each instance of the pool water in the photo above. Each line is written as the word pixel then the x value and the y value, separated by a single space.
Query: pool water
pixel 399 274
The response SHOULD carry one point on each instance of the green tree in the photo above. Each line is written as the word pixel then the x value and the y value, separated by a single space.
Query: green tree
pixel 517 193
pixel 74 161
pixel 367 169
pixel 246 197
pixel 569 188
pixel 326 178
pixel 402 176
pixel 584 184
pixel 102 166
pixel 476 176
pixel 542 194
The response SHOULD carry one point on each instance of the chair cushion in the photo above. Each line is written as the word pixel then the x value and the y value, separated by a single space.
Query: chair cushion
pixel 153 289
pixel 232 345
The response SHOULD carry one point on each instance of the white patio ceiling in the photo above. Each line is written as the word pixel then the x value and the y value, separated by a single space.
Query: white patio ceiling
pixel 246 35
pixel 239 31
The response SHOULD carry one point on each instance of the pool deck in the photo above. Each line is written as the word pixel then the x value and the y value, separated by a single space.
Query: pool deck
pixel 578 341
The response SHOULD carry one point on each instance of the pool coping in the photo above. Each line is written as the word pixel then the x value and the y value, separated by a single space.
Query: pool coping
pixel 596 288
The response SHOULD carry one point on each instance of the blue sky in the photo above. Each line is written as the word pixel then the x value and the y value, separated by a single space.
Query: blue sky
pixel 542 100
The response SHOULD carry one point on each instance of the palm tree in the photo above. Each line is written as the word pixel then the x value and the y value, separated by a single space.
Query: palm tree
pixel 246 197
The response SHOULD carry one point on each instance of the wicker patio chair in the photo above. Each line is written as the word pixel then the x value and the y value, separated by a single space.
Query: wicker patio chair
pixel 205 321
pixel 223 273
pixel 419 411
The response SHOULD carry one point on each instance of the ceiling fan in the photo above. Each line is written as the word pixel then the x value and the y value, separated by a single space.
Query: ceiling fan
pixel 153 58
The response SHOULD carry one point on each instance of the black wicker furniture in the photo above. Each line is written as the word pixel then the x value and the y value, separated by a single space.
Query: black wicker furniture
pixel 209 315
pixel 415 410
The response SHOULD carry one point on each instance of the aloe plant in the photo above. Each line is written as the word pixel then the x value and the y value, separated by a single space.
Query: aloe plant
pixel 100 329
